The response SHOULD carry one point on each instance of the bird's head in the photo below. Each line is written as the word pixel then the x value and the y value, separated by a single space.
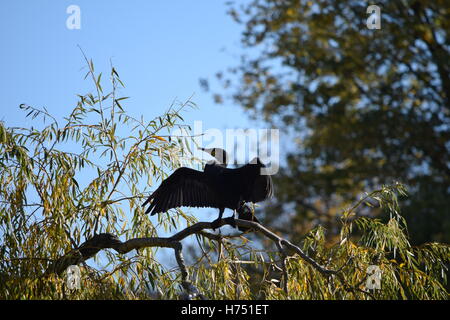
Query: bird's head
pixel 218 153
pixel 258 162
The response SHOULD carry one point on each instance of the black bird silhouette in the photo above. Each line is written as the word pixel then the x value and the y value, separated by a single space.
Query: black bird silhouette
pixel 216 186
pixel 245 212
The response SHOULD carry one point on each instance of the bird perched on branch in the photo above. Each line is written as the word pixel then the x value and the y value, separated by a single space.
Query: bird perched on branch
pixel 216 187
pixel 245 212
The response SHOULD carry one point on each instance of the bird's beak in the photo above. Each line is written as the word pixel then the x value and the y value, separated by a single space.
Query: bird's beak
pixel 205 150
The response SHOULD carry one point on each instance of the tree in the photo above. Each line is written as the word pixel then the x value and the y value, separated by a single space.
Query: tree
pixel 362 107
pixel 50 219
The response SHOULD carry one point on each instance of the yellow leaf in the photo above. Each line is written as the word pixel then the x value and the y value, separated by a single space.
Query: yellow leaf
pixel 159 138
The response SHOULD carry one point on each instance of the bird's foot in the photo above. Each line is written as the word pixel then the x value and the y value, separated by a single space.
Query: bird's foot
pixel 231 221
pixel 216 224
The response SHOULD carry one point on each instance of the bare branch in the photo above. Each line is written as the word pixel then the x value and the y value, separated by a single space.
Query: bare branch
pixel 108 241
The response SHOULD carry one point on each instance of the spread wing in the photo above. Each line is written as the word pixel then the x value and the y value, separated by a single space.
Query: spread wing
pixel 184 188
pixel 255 187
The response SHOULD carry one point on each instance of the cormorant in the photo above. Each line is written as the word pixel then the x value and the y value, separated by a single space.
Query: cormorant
pixel 245 212
pixel 216 186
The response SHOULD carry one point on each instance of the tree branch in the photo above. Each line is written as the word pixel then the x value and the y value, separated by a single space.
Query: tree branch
pixel 109 241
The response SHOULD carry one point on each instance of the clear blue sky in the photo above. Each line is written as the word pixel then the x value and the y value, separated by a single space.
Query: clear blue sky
pixel 160 48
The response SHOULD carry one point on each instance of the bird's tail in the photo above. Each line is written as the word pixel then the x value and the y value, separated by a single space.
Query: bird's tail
pixel 245 212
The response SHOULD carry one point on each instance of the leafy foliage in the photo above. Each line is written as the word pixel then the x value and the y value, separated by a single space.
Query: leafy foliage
pixel 62 184
pixel 361 107
pixel 45 211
